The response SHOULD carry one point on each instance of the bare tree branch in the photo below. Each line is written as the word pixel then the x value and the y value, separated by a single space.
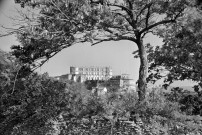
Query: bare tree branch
pixel 10 31
pixel 156 24
pixel 163 22
pixel 144 8
pixel 115 39
pixel 149 31
pixel 148 15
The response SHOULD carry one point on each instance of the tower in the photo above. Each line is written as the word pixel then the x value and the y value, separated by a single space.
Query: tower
pixel 74 70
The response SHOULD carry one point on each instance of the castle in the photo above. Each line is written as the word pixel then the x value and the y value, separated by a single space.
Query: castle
pixel 81 74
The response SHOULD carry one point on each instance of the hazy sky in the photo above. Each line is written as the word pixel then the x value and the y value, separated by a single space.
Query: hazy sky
pixel 117 55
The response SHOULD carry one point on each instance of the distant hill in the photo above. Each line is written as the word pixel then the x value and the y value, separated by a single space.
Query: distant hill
pixel 188 88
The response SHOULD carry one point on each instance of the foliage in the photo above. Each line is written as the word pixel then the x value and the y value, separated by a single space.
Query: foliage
pixel 176 94
pixel 59 21
pixel 189 101
pixel 181 53
pixel 124 115
pixel 191 104
pixel 180 57
pixel 39 104
pixel 62 23
pixel 91 83
pixel 30 103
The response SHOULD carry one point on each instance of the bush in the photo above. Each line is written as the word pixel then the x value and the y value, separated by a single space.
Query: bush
pixel 39 105
pixel 30 104
pixel 117 113
pixel 190 102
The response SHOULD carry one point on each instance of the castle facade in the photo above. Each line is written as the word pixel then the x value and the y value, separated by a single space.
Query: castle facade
pixel 81 74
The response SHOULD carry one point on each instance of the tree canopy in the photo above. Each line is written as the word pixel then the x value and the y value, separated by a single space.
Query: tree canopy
pixel 62 23
pixel 181 52
pixel 32 102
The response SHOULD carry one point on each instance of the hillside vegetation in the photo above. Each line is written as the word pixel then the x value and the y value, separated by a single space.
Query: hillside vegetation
pixel 36 104
pixel 40 105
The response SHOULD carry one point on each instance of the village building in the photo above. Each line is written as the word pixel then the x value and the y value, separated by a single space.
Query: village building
pixel 121 81
pixel 98 79
pixel 81 74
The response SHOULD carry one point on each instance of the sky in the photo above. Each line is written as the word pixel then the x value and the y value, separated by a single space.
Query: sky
pixel 118 55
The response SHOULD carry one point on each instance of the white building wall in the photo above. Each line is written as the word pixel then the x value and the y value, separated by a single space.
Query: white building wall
pixel 92 73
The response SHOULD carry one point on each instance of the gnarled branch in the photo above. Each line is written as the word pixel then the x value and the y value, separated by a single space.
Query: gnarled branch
pixel 114 39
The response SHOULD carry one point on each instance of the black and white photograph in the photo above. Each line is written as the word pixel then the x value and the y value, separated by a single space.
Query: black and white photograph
pixel 100 67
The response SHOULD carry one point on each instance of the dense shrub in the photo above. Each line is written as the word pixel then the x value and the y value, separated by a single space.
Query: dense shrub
pixel 190 102
pixel 125 115
pixel 30 103
pixel 39 105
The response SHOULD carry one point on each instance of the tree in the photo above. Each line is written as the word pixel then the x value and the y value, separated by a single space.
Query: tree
pixel 63 23
pixel 27 103
pixel 181 53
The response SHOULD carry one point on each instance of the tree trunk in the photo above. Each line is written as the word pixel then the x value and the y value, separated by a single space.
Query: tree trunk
pixel 143 70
